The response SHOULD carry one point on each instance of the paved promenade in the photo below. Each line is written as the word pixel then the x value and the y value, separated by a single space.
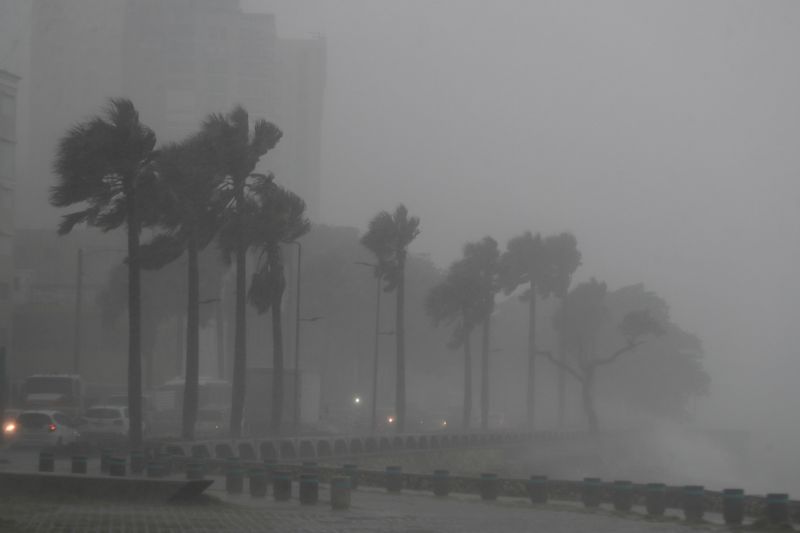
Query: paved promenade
pixel 373 510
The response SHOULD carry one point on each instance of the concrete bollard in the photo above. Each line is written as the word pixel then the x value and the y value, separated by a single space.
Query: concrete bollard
pixel 155 468
pixel 655 500
pixel 351 471
pixel 537 489
pixel 592 492
pixel 622 496
pixel 776 508
pixel 47 461
pixel 116 466
pixel 258 482
pixel 309 489
pixel 340 493
pixel 234 477
pixel 137 462
pixel 269 467
pixel 195 470
pixel 394 478
pixel 165 460
pixel 489 486
pixel 80 464
pixel 694 505
pixel 441 483
pixel 105 459
pixel 281 485
pixel 733 506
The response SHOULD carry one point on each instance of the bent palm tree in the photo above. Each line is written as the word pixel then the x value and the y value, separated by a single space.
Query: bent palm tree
pixel 456 300
pixel 188 220
pixel 273 216
pixel 236 151
pixel 103 164
pixel 388 237
pixel 481 260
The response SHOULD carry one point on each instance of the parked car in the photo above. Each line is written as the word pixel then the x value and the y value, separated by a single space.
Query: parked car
pixel 106 421
pixel 44 428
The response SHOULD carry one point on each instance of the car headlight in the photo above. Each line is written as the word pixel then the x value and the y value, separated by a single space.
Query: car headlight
pixel 10 428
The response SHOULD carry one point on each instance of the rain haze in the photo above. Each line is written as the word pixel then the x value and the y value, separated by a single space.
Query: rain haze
pixel 662 135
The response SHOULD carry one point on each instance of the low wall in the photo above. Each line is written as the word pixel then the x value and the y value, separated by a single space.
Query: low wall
pixel 66 487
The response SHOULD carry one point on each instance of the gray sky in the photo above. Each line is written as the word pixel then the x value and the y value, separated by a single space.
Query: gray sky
pixel 663 134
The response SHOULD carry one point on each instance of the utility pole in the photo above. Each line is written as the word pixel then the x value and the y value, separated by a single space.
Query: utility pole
pixel 374 414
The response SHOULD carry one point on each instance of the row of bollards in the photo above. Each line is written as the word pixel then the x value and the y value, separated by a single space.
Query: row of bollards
pixel 593 491
pixel 260 478
pixel 622 495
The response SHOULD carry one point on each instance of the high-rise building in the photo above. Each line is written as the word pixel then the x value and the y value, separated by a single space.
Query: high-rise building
pixel 178 60
pixel 8 143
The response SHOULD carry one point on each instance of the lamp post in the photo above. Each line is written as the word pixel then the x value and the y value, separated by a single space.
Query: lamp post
pixel 76 346
pixel 374 417
pixel 298 320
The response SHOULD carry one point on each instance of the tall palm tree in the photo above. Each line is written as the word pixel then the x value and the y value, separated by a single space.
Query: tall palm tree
pixel 482 259
pixel 388 238
pixel 456 300
pixel 103 165
pixel 274 217
pixel 188 222
pixel 236 150
pixel 546 266
pixel 564 259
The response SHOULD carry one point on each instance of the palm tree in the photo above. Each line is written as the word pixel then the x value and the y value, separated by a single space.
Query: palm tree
pixel 188 220
pixel 482 259
pixel 564 258
pixel 273 217
pixel 236 151
pixel 103 165
pixel 546 265
pixel 456 300
pixel 388 237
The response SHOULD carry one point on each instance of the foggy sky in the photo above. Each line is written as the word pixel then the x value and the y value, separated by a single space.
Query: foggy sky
pixel 663 134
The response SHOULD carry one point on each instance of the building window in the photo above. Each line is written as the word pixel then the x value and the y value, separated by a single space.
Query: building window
pixel 6 106
pixel 6 160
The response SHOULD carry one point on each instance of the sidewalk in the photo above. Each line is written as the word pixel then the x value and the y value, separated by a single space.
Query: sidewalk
pixel 373 510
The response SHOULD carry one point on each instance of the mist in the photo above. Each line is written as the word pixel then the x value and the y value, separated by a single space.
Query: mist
pixel 663 135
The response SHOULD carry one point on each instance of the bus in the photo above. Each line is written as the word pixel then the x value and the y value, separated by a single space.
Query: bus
pixel 62 392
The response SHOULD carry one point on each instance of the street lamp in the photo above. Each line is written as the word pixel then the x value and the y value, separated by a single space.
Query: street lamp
pixel 76 348
pixel 378 277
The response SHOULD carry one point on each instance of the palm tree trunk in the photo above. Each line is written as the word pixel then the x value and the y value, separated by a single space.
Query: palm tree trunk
pixel 531 356
pixel 192 342
pixel 400 338
pixel 562 385
pixel 240 334
pixel 276 419
pixel 587 396
pixel 134 322
pixel 467 415
pixel 485 374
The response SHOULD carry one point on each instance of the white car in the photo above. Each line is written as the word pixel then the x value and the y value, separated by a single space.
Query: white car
pixel 44 428
pixel 107 421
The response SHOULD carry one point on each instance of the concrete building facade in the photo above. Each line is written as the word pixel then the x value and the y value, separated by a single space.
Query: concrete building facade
pixel 178 60
pixel 8 146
